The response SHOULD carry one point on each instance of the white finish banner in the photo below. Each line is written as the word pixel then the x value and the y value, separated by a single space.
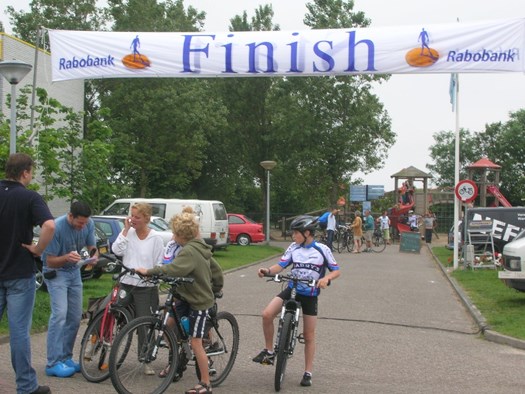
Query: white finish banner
pixel 483 47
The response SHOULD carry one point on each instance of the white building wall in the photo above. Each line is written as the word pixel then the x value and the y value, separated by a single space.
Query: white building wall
pixel 68 93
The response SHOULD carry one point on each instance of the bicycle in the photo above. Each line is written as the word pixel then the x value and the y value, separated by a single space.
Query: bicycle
pixel 109 316
pixel 378 242
pixel 149 340
pixel 346 239
pixel 288 326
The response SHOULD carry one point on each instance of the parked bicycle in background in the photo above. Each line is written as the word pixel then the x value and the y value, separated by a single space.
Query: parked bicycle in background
pixel 108 315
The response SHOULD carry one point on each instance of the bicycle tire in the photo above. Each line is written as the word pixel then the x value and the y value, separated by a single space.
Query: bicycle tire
pixel 378 243
pixel 283 350
pixel 96 345
pixel 222 359
pixel 350 245
pixel 137 345
pixel 336 244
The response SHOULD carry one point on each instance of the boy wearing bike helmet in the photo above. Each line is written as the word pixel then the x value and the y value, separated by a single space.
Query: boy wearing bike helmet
pixel 308 260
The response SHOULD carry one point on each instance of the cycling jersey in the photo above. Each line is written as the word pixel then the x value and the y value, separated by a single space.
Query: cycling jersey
pixel 308 262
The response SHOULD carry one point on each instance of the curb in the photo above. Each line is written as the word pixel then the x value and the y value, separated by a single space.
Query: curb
pixel 481 322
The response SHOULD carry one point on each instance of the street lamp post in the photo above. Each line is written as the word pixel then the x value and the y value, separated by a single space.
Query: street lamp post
pixel 13 71
pixel 268 165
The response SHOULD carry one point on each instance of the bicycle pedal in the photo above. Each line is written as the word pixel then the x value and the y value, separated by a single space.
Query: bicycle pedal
pixel 300 338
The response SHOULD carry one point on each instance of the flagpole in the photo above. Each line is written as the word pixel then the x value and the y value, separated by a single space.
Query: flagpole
pixel 455 107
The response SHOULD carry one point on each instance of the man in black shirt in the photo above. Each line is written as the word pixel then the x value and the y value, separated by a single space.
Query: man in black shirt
pixel 20 210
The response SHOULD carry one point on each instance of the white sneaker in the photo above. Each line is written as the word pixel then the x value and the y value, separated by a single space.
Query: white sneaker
pixel 148 370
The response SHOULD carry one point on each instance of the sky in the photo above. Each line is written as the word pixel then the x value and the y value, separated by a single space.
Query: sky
pixel 418 105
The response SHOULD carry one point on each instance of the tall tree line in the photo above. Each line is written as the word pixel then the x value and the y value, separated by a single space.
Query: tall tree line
pixel 205 138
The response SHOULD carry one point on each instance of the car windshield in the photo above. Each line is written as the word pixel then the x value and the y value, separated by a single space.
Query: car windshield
pixel 161 223
pixel 520 235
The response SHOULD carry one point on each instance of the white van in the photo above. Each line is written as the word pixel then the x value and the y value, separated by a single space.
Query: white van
pixel 212 215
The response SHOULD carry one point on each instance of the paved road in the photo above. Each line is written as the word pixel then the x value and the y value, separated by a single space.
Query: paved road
pixel 391 324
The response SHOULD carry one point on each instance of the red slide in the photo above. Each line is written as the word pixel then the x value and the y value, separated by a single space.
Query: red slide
pixel 397 211
pixel 494 190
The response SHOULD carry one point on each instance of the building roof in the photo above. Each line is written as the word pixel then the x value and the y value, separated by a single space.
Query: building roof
pixel 484 163
pixel 411 172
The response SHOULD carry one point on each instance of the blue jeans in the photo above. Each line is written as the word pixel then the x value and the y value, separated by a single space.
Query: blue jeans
pixel 330 239
pixel 18 295
pixel 65 293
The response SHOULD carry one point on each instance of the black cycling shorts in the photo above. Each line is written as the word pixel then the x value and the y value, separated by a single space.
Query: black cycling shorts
pixel 308 304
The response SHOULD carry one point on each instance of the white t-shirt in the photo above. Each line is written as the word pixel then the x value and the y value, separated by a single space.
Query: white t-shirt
pixel 330 225
pixel 139 253
pixel 385 222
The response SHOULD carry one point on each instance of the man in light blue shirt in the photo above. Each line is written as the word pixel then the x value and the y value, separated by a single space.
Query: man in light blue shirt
pixel 74 232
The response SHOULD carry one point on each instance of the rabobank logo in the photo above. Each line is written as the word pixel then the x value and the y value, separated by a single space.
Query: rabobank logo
pixel 136 60
pixel 423 55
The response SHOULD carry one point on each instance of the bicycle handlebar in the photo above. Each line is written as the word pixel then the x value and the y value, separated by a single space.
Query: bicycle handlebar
pixel 287 278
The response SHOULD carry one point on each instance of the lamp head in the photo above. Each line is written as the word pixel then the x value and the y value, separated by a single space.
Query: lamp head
pixel 268 164
pixel 14 70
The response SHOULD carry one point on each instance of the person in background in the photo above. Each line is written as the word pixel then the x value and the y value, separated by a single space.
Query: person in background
pixel 357 228
pixel 369 225
pixel 74 231
pixel 195 260
pixel 428 221
pixel 140 246
pixel 20 210
pixel 413 221
pixel 331 227
pixel 307 259
pixel 323 220
pixel 384 225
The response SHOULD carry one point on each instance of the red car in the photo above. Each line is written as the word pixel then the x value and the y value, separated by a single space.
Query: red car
pixel 244 230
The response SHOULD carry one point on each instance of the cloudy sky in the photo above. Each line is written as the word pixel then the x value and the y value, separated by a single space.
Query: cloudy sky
pixel 419 105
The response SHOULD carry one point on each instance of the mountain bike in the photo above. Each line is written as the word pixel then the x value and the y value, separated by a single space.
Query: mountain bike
pixel 287 336
pixel 150 341
pixel 108 316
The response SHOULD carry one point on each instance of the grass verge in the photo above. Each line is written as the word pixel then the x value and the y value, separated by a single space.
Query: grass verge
pixel 232 257
pixel 501 306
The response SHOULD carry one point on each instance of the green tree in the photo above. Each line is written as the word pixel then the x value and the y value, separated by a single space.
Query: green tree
pixel 502 143
pixel 69 165
pixel 55 14
pixel 163 128
pixel 442 152
pixel 331 127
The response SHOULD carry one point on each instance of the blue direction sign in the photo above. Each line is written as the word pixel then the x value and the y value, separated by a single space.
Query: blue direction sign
pixel 357 193
pixel 373 192
pixel 360 193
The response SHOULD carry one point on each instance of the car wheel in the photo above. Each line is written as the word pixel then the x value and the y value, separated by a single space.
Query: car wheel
pixel 39 277
pixel 110 267
pixel 97 273
pixel 243 240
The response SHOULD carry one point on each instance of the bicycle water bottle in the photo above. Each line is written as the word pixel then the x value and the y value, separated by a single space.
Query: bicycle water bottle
pixel 185 324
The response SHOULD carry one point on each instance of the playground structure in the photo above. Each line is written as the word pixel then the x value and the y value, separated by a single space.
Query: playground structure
pixel 486 174
pixel 483 172
pixel 406 197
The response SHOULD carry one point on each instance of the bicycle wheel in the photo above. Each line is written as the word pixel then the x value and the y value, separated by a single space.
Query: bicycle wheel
pixel 222 345
pixel 378 243
pixel 350 244
pixel 96 343
pixel 336 244
pixel 139 353
pixel 283 351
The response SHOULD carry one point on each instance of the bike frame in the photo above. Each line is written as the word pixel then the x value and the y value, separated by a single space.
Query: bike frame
pixel 288 327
